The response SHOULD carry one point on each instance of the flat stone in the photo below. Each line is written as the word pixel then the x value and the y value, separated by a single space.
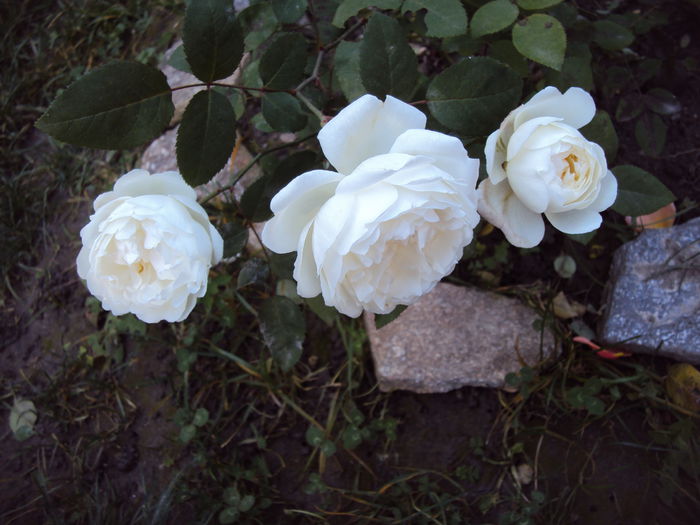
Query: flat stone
pixel 653 295
pixel 456 336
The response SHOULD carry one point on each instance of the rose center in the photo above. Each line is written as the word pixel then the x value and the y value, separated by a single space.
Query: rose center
pixel 140 267
pixel 571 159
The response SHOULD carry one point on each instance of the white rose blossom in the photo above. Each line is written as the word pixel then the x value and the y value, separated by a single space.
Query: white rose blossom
pixel 390 223
pixel 538 162
pixel 148 247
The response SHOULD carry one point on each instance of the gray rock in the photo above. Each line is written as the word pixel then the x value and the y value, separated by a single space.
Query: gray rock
pixel 456 336
pixel 653 296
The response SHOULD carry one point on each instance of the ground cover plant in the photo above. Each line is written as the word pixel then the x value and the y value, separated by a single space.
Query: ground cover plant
pixel 261 406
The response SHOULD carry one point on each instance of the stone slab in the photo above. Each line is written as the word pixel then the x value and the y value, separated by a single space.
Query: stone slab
pixel 653 294
pixel 456 336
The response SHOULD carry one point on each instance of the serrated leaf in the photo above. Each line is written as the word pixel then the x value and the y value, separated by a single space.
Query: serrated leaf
pixel 531 5
pixel 235 237
pixel 504 51
pixel 283 112
pixel 601 131
pixel 258 22
pixel 575 71
pixel 662 102
pixel 255 202
pixel 212 38
pixel 639 192
pixel 282 64
pixel 473 96
pixel 493 17
pixel 541 38
pixel 611 36
pixel 206 137
pixel 650 132
pixel 117 106
pixel 289 11
pixel 253 271
pixel 283 328
pixel 381 320
pixel 346 64
pixel 388 65
pixel 444 18
pixel 348 8
pixel 22 418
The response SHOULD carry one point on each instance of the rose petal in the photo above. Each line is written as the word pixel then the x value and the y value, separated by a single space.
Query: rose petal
pixel 365 128
pixel 495 154
pixel 607 194
pixel 502 208
pixel 575 221
pixel 576 107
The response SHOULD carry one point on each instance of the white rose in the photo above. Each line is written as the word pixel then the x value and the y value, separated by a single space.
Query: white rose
pixel 394 219
pixel 538 162
pixel 148 247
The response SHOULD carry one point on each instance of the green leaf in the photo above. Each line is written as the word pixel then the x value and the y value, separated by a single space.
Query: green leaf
pixel 444 18
pixel 212 38
pixel 178 60
pixel 314 436
pixel 504 51
pixel 328 448
pixel 283 112
pixel 639 192
pixel 601 131
pixel 531 5
pixel 253 271
pixel 575 71
pixel 187 433
pixel 258 22
pixel 650 132
pixel 348 8
pixel 118 106
pixel 347 69
pixel 611 36
pixel 282 64
pixel 289 11
pixel 381 320
pixel 541 38
pixel 662 102
pixel 206 137
pixel 231 496
pixel 318 306
pixel 473 96
pixel 255 202
pixel 388 65
pixel 352 437
pixel 493 17
pixel 201 416
pixel 246 503
pixel 235 237
pixel 628 108
pixel 229 514
pixel 283 329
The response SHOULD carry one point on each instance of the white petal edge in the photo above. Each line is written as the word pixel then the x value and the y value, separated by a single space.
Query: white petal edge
pixel 608 193
pixel 502 208
pixel 575 221
pixel 576 107
pixel 365 128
